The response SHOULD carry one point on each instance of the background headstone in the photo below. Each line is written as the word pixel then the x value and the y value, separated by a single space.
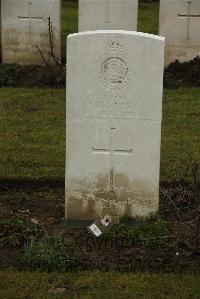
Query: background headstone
pixel 180 24
pixel 25 27
pixel 107 14
pixel 114 107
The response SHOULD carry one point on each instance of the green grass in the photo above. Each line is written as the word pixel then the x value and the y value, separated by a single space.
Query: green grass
pixel 98 285
pixel 180 132
pixel 32 127
pixel 69 23
pixel 148 17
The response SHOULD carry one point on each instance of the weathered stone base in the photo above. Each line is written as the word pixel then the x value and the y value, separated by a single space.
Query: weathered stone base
pixel 95 206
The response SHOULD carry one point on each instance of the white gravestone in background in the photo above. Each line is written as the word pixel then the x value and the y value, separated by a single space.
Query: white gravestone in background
pixel 180 24
pixel 114 108
pixel 25 29
pixel 107 14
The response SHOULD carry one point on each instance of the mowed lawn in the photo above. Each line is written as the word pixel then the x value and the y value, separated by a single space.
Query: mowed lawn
pixel 32 127
pixel 98 285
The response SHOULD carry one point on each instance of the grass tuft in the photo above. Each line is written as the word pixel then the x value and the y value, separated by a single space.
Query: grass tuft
pixel 51 253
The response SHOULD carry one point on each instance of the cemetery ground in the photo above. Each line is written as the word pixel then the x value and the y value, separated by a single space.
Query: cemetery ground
pixel 162 254
pixel 32 207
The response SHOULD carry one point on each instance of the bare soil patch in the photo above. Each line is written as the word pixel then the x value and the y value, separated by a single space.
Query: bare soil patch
pixel 179 205
pixel 185 74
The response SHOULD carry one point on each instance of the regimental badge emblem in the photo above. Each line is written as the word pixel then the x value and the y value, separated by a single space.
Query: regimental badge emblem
pixel 114 70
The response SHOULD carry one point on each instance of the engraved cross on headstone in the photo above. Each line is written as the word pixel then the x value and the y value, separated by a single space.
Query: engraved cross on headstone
pixel 107 12
pixel 30 18
pixel 112 151
pixel 189 16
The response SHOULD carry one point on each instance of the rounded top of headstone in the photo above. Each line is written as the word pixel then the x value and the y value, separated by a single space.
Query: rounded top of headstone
pixel 118 32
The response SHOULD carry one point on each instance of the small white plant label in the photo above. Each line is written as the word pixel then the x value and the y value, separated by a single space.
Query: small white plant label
pixel 100 226
pixel 95 230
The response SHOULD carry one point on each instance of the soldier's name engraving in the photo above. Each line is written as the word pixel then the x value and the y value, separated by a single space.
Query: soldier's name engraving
pixel 117 107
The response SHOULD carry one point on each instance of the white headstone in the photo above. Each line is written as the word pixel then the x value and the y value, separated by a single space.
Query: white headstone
pixel 25 30
pixel 180 24
pixel 107 14
pixel 114 108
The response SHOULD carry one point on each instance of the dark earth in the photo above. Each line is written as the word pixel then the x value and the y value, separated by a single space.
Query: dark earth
pixel 183 74
pixel 44 202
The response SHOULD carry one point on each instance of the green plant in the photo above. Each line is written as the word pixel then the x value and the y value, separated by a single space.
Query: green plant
pixel 149 233
pixel 51 253
pixel 15 232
